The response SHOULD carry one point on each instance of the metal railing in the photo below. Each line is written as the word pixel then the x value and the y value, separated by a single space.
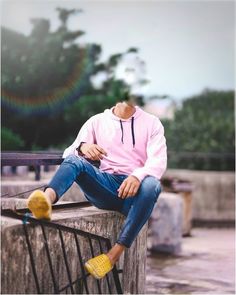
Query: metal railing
pixel 201 161
pixel 31 159
pixel 73 286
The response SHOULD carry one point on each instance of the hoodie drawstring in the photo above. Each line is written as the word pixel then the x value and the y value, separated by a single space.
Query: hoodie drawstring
pixel 132 131
pixel 122 132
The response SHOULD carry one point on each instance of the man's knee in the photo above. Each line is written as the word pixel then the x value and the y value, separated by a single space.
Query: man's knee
pixel 151 186
pixel 73 160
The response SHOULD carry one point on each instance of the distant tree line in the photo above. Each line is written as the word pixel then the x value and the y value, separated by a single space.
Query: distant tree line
pixel 202 133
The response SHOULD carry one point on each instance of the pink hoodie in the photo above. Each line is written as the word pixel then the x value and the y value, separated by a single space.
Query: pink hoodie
pixel 134 146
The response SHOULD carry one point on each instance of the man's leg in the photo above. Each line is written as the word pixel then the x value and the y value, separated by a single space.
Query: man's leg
pixel 100 188
pixel 141 208
pixel 40 203
pixel 138 210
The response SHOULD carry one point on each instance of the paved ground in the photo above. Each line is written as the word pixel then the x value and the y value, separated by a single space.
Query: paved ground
pixel 205 266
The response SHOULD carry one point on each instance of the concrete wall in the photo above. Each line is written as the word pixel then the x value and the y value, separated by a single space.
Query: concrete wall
pixel 16 272
pixel 213 194
pixel 13 187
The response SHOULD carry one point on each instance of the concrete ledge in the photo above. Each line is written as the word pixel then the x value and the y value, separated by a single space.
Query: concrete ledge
pixel 19 186
pixel 165 226
pixel 17 275
pixel 213 194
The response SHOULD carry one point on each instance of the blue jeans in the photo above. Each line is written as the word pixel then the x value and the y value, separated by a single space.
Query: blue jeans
pixel 100 188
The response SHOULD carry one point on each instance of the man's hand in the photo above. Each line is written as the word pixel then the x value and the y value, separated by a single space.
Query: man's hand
pixel 92 151
pixel 129 187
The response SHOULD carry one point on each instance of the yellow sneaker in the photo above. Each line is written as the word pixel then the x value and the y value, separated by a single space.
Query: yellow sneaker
pixel 39 205
pixel 99 266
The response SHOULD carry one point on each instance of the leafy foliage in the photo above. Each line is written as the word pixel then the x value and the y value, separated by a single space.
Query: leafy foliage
pixel 40 64
pixel 204 123
pixel 37 64
pixel 10 140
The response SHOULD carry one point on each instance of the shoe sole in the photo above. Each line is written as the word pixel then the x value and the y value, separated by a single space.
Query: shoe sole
pixel 39 205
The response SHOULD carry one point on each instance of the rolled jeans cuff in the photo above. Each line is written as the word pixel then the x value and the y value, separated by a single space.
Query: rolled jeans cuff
pixel 123 243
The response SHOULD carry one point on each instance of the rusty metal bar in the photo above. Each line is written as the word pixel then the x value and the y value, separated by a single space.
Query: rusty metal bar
pixel 31 258
pixel 81 263
pixel 92 253
pixel 49 260
pixel 107 278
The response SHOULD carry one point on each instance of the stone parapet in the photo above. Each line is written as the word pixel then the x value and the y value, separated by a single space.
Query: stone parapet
pixel 213 195
pixel 165 225
pixel 17 276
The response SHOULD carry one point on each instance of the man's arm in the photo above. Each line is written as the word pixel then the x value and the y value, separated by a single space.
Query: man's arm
pixel 155 164
pixel 85 144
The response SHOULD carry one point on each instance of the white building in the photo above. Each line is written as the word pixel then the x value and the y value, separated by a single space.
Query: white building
pixel 163 108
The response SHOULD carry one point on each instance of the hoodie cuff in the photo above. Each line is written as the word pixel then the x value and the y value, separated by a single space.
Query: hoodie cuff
pixel 79 147
pixel 140 174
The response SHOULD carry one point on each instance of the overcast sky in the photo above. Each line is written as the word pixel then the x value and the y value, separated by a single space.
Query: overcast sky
pixel 187 45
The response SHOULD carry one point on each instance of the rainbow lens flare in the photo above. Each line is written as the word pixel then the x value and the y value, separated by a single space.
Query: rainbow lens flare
pixel 60 97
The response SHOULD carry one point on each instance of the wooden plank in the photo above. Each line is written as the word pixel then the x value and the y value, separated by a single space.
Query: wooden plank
pixel 30 159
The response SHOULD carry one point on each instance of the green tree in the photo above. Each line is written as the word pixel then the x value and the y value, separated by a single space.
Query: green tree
pixel 10 140
pixel 204 123
pixel 91 104
pixel 35 68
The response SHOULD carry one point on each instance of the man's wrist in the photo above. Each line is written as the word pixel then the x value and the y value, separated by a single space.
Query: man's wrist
pixel 79 148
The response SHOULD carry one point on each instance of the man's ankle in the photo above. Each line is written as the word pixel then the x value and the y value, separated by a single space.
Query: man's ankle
pixel 115 253
pixel 112 258
pixel 50 194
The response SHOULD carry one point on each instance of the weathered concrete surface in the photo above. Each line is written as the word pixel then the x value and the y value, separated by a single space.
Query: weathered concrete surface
pixel 16 269
pixel 19 170
pixel 15 185
pixel 165 225
pixel 13 203
pixel 213 193
pixel 206 265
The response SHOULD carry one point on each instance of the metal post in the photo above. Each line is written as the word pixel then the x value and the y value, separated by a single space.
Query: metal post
pixel 37 172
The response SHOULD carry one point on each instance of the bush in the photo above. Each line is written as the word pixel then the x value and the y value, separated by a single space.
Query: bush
pixel 10 140
pixel 204 126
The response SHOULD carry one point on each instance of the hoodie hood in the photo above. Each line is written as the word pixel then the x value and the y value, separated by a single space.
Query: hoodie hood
pixel 131 119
